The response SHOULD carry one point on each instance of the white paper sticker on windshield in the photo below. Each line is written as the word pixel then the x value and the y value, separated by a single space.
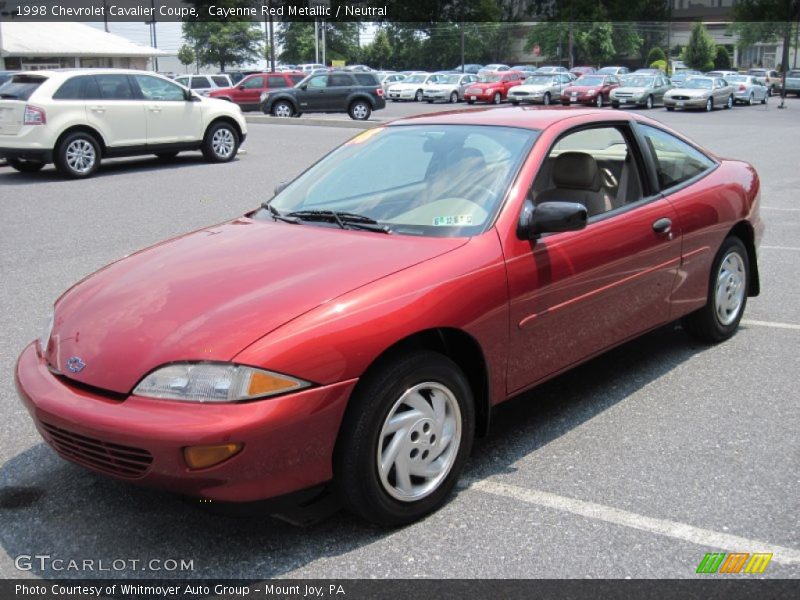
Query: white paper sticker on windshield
pixel 453 221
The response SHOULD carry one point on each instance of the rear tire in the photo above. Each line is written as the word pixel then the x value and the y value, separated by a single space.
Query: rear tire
pixel 615 105
pixel 359 110
pixel 599 101
pixel 371 456
pixel 221 143
pixel 729 103
pixel 727 295
pixel 78 155
pixel 25 166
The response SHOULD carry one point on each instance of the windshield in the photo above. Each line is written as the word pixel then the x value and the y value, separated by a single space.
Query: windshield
pixel 589 80
pixel 415 79
pixel 638 81
pixel 738 78
pixel 427 180
pixel 608 70
pixel 489 78
pixel 698 83
pixel 793 74
pixel 450 79
pixel 539 80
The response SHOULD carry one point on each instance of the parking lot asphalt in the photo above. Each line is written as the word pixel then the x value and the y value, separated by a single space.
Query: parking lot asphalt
pixel 633 465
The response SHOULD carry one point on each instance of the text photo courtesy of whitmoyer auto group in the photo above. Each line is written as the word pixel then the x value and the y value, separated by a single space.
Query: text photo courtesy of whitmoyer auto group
pixel 399 298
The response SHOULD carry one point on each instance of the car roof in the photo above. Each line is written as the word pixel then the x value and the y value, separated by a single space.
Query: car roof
pixel 525 117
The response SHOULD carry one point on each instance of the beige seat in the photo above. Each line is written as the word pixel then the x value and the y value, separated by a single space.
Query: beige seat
pixel 576 178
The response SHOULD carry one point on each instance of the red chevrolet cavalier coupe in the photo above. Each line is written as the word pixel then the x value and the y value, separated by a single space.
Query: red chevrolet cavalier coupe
pixel 354 333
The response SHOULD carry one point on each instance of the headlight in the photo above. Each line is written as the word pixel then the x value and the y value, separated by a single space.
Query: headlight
pixel 215 382
pixel 490 91
pixel 44 339
pixel 591 92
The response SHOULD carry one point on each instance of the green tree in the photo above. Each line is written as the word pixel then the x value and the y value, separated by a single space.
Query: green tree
pixel 378 53
pixel 701 50
pixel 223 43
pixel 723 58
pixel 296 39
pixel 186 56
pixel 654 55
pixel 596 43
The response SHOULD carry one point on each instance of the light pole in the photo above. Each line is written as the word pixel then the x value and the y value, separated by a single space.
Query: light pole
pixel 2 60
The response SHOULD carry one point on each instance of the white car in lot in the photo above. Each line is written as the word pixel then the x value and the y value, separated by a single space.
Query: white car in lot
pixel 412 87
pixel 74 118
pixel 204 84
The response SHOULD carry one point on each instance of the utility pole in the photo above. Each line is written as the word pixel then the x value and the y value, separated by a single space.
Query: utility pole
pixel 324 61
pixel 153 36
pixel 105 16
pixel 316 40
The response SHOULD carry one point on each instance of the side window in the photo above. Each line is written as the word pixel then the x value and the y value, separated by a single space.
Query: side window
pixel 276 81
pixel 220 80
pixel 199 83
pixel 318 82
pixel 154 88
pixel 296 78
pixel 593 167
pixel 366 79
pixel 676 161
pixel 114 87
pixel 83 87
pixel 339 80
pixel 253 84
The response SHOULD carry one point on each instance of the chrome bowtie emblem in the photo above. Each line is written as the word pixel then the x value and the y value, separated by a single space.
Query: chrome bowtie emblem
pixel 75 364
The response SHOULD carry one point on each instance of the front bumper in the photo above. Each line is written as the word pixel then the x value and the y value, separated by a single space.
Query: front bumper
pixel 480 96
pixel 569 99
pixel 691 103
pixel 629 100
pixel 288 440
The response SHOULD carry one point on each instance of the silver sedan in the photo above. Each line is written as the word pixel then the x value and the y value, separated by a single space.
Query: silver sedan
pixel 748 89
pixel 700 92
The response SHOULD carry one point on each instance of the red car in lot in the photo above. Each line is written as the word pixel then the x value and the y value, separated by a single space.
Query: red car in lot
pixel 493 87
pixel 590 89
pixel 352 335
pixel 247 93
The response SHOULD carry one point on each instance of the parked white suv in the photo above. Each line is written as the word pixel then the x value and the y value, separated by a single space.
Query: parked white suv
pixel 76 117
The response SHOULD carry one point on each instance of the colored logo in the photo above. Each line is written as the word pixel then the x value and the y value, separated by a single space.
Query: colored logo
pixel 720 562
pixel 75 364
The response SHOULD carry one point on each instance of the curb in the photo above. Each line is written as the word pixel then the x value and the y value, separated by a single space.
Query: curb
pixel 348 124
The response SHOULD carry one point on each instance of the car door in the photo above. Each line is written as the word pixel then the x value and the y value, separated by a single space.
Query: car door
pixel 171 118
pixel 248 92
pixel 574 294
pixel 313 95
pixel 114 109
pixel 340 85
pixel 720 92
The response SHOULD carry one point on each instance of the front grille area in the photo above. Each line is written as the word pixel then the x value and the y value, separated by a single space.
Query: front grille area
pixel 681 98
pixel 114 459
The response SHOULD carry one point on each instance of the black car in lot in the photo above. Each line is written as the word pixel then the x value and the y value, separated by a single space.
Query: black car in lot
pixel 357 94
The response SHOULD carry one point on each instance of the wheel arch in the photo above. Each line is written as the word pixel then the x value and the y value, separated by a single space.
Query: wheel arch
pixel 744 231
pixel 360 96
pixel 84 129
pixel 224 119
pixel 460 347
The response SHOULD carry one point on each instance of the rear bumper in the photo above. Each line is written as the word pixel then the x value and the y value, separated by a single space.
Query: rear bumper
pixel 288 441
pixel 45 156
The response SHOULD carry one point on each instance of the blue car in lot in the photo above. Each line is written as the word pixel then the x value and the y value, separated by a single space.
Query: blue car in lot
pixel 5 76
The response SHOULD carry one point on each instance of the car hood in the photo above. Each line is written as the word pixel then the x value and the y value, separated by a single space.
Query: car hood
pixel 400 87
pixel 209 294
pixel 632 90
pixel 531 88
pixel 581 89
pixel 690 92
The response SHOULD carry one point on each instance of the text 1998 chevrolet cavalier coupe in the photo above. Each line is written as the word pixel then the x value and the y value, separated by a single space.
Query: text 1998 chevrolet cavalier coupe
pixel 354 333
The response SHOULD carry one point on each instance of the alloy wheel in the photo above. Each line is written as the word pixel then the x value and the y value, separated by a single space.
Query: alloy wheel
pixel 730 290
pixel 223 142
pixel 80 156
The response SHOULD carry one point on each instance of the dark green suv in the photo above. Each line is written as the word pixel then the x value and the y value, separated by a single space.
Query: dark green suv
pixel 357 94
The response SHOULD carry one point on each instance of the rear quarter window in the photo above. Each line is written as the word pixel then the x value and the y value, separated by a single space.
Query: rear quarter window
pixel 21 87
pixel 83 87
pixel 220 81
pixel 366 79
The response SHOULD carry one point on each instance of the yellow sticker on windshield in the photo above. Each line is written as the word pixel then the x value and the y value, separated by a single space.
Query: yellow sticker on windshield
pixel 363 136
pixel 453 221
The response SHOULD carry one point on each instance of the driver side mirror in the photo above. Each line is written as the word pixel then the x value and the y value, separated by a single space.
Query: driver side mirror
pixel 303 86
pixel 280 187
pixel 189 96
pixel 550 217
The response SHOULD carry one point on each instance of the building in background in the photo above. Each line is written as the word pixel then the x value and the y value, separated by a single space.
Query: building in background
pixel 36 46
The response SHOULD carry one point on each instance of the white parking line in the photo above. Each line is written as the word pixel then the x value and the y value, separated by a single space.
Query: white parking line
pixel 778 208
pixel 778 248
pixel 673 529
pixel 774 324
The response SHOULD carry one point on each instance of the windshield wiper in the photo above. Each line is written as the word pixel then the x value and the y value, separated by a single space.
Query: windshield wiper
pixel 278 216
pixel 345 220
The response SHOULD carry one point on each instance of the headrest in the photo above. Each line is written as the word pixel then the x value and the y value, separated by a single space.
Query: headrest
pixel 576 170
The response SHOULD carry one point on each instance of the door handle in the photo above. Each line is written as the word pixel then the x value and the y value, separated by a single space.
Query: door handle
pixel 155 109
pixel 98 109
pixel 663 225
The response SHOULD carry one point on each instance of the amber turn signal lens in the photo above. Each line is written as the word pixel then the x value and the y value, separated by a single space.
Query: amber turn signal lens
pixel 201 457
pixel 262 384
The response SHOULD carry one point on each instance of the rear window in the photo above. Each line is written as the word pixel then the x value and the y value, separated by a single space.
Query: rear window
pixel 20 87
pixel 220 81
pixel 297 78
pixel 365 78
pixel 199 83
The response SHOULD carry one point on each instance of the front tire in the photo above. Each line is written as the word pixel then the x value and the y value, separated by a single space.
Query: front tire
pixel 25 166
pixel 709 105
pixel 221 143
pixel 599 101
pixel 729 103
pixel 282 109
pixel 546 99
pixel 404 440
pixel 78 155
pixel 418 96
pixel 649 103
pixel 454 98
pixel 727 295
pixel 497 98
pixel 359 110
